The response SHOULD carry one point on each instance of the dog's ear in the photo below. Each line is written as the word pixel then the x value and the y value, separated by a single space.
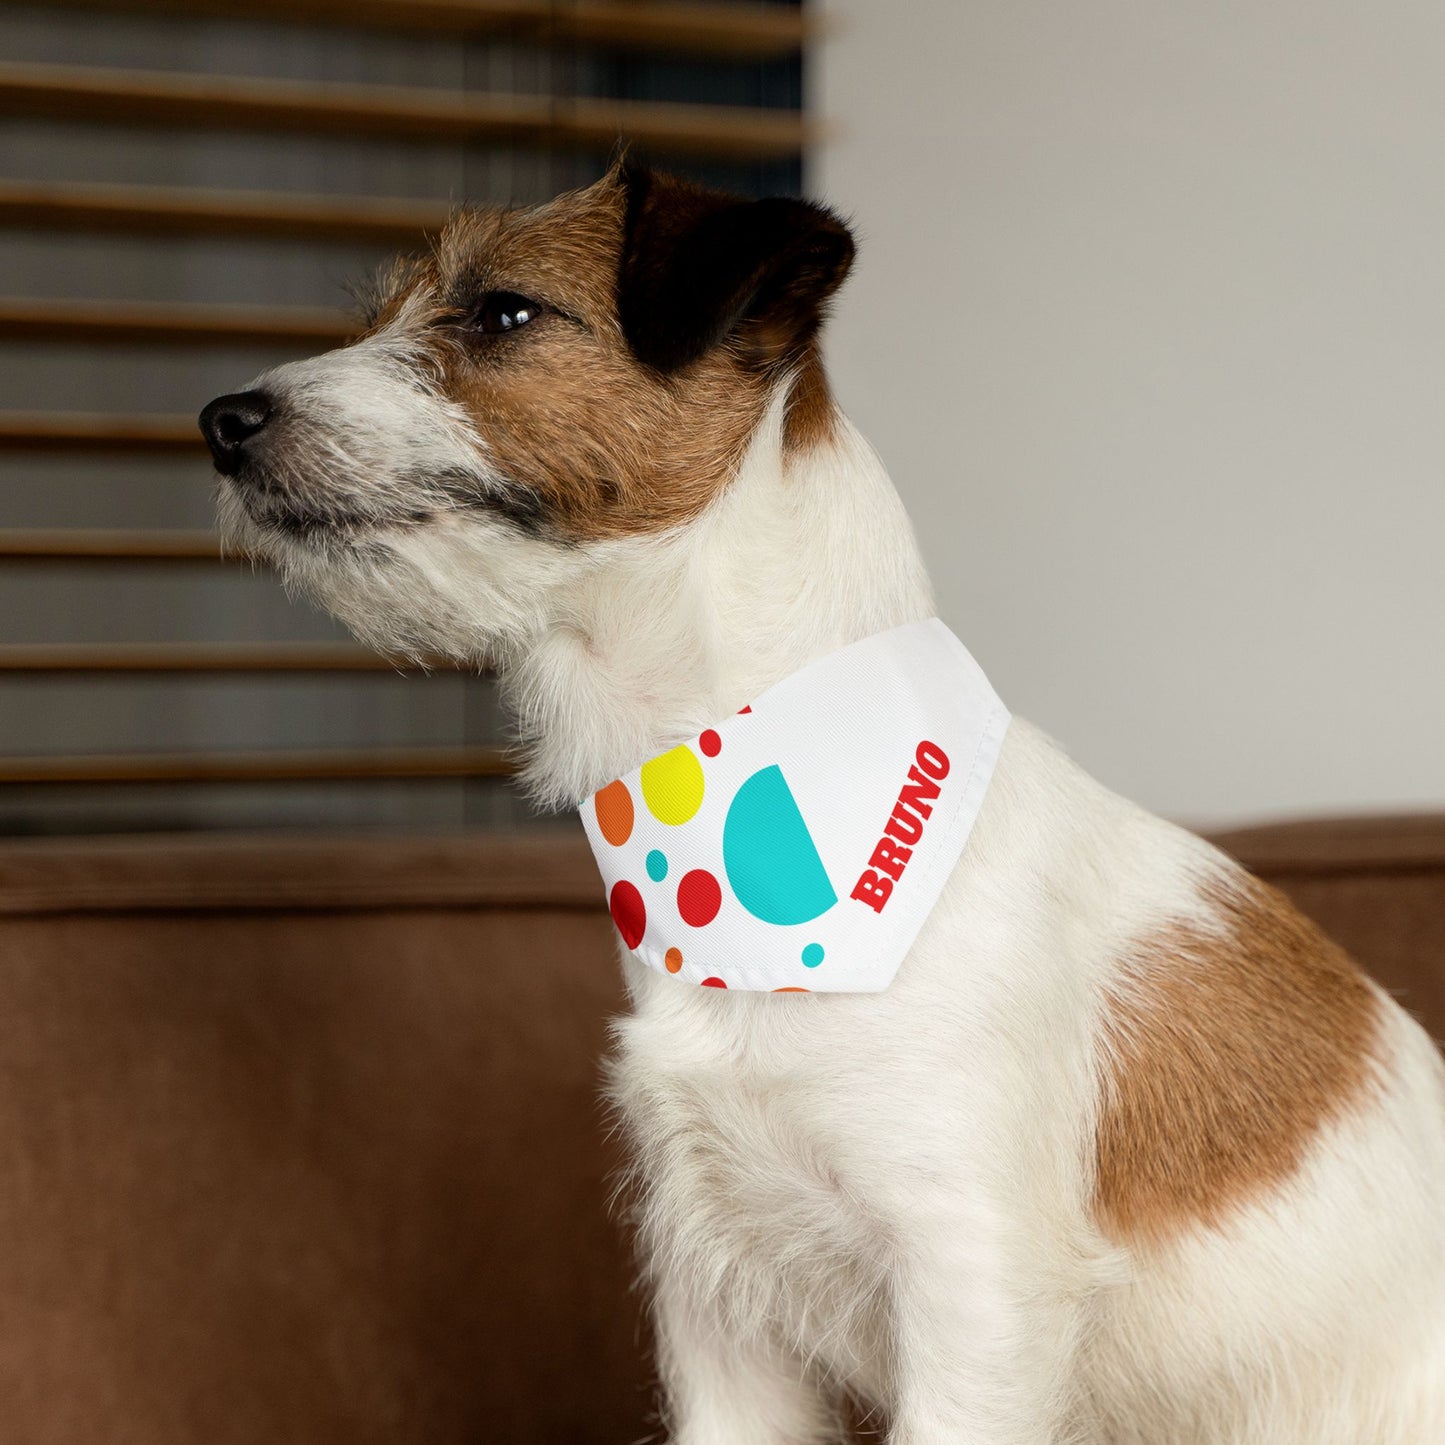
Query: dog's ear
pixel 700 266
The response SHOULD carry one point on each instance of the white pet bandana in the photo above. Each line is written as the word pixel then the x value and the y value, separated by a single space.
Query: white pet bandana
pixel 800 845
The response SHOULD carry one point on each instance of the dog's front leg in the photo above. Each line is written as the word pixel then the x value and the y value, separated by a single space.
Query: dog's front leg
pixel 722 1386
pixel 985 1339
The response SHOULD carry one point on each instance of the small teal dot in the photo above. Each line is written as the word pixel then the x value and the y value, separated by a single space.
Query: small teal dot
pixel 813 955
pixel 656 866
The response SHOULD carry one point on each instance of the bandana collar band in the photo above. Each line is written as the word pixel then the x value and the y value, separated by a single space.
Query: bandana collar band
pixel 800 845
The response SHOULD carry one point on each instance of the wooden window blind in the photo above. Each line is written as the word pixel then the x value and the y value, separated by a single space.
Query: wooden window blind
pixel 186 186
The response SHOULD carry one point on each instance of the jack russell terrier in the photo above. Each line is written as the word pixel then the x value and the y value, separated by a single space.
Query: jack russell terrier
pixel 1068 1131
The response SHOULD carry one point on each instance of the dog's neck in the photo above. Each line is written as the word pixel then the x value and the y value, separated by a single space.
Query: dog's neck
pixel 803 553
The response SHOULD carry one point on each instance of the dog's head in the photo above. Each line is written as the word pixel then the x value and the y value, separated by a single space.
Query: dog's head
pixel 544 384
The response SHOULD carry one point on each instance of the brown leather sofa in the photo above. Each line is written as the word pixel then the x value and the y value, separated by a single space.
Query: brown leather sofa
pixel 302 1141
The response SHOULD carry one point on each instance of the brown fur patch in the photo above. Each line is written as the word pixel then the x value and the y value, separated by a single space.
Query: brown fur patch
pixel 603 444
pixel 1227 1052
pixel 812 415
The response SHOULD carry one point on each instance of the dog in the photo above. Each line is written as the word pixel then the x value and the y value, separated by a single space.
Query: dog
pixel 1128 1153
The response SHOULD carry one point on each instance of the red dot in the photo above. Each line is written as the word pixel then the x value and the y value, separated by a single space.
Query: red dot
pixel 629 912
pixel 713 983
pixel 698 897
pixel 710 743
pixel 742 710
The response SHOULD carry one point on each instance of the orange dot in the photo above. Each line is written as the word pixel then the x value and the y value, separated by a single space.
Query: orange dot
pixel 673 959
pixel 790 990
pixel 614 813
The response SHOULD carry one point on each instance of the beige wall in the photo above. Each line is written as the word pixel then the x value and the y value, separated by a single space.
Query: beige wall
pixel 1149 324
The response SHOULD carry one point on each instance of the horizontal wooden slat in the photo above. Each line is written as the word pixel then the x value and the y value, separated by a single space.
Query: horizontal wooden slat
pixel 756 32
pixel 220 102
pixel 171 323
pixel 81 544
pixel 192 657
pixel 175 211
pixel 706 28
pixel 329 765
pixel 85 431
pixel 293 869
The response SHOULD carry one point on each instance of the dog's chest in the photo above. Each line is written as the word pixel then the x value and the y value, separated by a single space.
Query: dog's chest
pixel 750 1181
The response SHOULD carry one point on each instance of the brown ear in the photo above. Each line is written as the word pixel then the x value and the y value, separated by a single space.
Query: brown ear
pixel 699 266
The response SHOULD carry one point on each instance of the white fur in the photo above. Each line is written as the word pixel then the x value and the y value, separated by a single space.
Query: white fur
pixel 889 1194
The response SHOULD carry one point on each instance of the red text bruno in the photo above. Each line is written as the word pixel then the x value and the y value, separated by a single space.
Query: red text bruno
pixel 905 827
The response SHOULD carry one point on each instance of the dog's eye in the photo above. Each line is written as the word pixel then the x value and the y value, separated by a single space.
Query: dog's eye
pixel 504 311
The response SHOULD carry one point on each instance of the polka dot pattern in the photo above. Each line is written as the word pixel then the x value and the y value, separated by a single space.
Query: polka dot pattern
pixel 768 856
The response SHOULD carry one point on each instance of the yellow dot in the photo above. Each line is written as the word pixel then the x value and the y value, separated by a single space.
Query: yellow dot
pixel 672 786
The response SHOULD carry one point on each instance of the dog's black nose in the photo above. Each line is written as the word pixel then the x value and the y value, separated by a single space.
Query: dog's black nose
pixel 229 422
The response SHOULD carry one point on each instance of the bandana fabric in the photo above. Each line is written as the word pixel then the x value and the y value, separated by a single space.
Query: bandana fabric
pixel 800 845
